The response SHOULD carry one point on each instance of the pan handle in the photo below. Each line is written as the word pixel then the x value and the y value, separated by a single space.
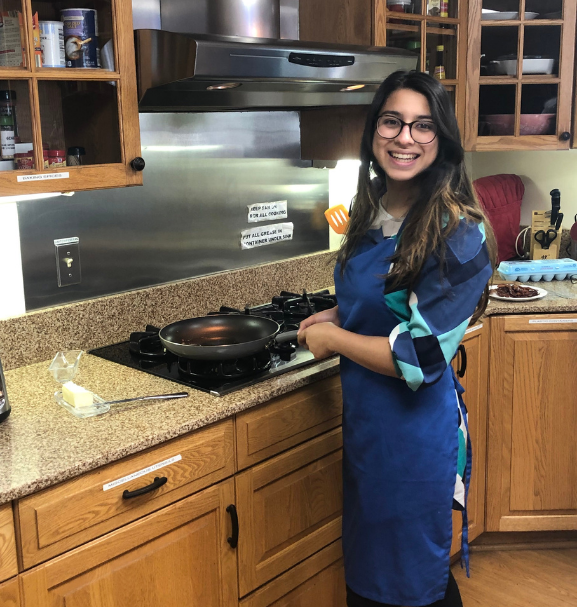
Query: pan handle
pixel 284 337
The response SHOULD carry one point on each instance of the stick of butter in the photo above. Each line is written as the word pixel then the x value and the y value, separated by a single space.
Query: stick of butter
pixel 77 396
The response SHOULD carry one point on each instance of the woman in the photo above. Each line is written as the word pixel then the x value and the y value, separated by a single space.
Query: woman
pixel 411 275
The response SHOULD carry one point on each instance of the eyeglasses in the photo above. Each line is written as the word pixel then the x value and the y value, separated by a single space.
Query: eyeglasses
pixel 422 131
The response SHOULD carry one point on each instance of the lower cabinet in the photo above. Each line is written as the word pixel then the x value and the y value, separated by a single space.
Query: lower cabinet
pixel 289 507
pixel 472 363
pixel 10 593
pixel 178 556
pixel 319 581
pixel 532 465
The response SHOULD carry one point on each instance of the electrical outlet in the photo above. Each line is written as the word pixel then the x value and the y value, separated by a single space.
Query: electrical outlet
pixel 68 261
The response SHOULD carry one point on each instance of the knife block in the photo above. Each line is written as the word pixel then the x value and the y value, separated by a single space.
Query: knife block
pixel 541 220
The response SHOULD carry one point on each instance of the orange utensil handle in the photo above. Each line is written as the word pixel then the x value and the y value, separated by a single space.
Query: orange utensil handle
pixel 338 218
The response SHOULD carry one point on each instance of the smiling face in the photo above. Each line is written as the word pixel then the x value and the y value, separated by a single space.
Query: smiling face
pixel 402 158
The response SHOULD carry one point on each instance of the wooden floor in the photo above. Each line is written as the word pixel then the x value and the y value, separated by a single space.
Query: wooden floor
pixel 520 578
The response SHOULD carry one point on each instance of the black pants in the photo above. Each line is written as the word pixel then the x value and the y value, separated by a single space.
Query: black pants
pixel 452 598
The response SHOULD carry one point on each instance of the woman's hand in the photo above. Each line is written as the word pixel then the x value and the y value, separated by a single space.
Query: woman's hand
pixel 330 315
pixel 318 338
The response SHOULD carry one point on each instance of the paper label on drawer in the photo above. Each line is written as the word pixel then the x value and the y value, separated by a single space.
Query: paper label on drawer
pixel 553 321
pixel 259 237
pixel 131 477
pixel 265 211
pixel 43 177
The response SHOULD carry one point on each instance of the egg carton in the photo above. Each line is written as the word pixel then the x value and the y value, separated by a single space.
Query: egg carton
pixel 538 269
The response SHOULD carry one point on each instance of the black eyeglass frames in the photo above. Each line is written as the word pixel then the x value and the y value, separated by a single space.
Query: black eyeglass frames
pixel 422 131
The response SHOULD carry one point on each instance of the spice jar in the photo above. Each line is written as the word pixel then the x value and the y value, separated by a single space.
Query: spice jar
pixel 400 6
pixel 74 157
pixel 24 161
pixel 56 158
pixel 46 160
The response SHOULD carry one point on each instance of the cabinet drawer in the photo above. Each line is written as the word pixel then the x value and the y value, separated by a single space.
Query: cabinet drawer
pixel 318 581
pixel 289 507
pixel 8 564
pixel 288 420
pixel 72 513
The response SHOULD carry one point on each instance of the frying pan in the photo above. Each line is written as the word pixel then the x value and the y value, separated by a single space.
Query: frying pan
pixel 222 337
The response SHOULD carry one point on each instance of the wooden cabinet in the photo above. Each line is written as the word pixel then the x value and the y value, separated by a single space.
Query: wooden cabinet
pixel 175 545
pixel 513 104
pixel 8 564
pixel 318 581
pixel 336 21
pixel 289 508
pixel 474 362
pixel 91 108
pixel 175 557
pixel 10 593
pixel 532 451
pixel 288 420
pixel 424 32
pixel 72 513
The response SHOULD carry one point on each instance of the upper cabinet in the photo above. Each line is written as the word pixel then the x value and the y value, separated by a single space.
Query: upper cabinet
pixel 520 71
pixel 436 31
pixel 68 102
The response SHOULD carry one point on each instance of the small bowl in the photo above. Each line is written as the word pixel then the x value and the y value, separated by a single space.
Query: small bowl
pixel 64 365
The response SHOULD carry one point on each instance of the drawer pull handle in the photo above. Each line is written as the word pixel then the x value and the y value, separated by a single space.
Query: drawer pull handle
pixel 158 482
pixel 463 367
pixel 233 539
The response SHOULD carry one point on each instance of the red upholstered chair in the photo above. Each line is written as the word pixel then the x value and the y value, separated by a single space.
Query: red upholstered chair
pixel 501 197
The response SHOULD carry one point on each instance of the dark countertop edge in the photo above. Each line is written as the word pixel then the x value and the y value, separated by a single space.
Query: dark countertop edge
pixel 321 370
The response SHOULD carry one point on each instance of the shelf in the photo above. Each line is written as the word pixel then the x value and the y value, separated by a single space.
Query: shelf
pixel 441 31
pixel 416 17
pixel 401 27
pixel 59 73
pixel 526 79
pixel 530 22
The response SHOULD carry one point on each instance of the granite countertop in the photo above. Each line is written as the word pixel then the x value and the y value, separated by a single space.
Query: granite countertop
pixel 42 444
pixel 561 297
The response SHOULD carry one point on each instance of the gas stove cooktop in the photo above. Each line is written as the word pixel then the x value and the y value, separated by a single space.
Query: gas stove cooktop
pixel 144 351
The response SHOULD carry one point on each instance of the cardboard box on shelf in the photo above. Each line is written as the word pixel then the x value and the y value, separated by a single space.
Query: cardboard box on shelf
pixel 11 39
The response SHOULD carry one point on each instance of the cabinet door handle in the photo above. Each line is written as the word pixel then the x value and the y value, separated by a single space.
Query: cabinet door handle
pixel 158 482
pixel 463 368
pixel 565 136
pixel 138 164
pixel 233 539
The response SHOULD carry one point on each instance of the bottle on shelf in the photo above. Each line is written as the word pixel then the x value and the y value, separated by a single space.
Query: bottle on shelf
pixel 415 47
pixel 440 63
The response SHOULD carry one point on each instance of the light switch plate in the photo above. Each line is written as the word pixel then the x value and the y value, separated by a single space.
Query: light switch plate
pixel 68 261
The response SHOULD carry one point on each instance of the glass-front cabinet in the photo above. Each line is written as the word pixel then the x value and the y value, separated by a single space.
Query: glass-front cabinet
pixel 435 30
pixel 68 101
pixel 520 74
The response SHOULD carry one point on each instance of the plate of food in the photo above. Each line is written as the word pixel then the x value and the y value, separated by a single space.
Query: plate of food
pixel 516 292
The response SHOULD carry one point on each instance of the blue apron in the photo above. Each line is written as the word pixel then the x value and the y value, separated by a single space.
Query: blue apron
pixel 400 454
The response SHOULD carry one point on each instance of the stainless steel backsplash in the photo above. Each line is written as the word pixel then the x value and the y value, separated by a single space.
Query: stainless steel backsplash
pixel 202 170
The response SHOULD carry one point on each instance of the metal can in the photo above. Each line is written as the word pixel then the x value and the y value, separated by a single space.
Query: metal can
pixel 81 37
pixel 52 43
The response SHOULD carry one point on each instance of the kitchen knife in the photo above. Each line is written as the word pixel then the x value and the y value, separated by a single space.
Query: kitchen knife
pixel 559 221
pixel 555 205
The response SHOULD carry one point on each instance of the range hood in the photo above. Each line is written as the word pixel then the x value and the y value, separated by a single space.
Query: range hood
pixel 205 72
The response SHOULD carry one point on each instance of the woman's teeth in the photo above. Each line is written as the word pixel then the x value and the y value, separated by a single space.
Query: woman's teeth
pixel 404 157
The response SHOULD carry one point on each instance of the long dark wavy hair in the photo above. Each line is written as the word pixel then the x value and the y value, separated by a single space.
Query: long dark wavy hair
pixel 445 193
